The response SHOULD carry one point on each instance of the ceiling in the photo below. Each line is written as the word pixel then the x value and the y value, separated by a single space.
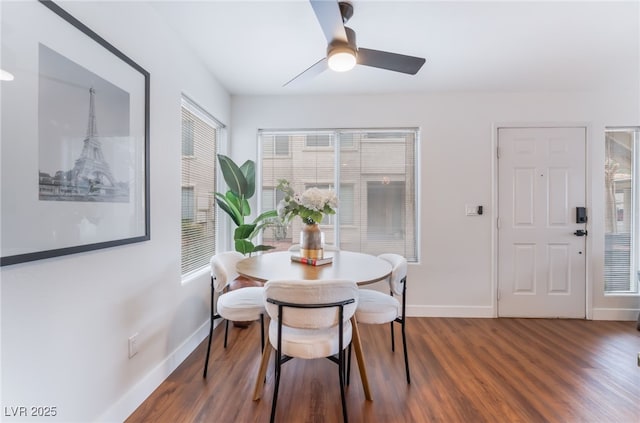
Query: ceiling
pixel 254 47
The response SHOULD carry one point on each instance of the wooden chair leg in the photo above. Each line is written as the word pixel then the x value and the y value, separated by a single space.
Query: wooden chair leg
pixel 357 347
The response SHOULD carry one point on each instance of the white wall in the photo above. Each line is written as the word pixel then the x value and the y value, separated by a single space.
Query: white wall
pixel 455 275
pixel 66 321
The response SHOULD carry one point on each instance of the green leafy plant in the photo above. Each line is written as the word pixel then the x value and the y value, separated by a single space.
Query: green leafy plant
pixel 241 181
pixel 311 205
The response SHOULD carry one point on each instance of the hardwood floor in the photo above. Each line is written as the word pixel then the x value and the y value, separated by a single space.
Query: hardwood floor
pixel 462 370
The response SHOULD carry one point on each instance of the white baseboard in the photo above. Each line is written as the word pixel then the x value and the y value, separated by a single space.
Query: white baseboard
pixel 488 312
pixel 622 314
pixel 131 400
pixel 450 311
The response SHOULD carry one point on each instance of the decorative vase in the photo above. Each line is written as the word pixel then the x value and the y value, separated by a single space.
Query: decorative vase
pixel 311 242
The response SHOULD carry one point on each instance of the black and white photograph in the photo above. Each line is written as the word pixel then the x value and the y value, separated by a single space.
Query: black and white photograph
pixel 84 147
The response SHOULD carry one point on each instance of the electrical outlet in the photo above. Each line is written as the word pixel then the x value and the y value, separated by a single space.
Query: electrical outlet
pixel 471 210
pixel 133 345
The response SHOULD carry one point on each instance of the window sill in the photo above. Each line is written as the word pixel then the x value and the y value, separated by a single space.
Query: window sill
pixel 194 275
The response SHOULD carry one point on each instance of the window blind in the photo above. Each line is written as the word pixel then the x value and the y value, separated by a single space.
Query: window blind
pixel 198 225
pixel 373 173
pixel 621 265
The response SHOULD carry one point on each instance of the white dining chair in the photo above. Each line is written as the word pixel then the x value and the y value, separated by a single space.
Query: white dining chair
pixel 240 305
pixel 375 307
pixel 310 319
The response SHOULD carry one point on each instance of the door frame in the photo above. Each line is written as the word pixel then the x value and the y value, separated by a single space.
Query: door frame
pixel 494 204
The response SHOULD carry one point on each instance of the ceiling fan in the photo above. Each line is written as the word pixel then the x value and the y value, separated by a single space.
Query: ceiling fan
pixel 343 53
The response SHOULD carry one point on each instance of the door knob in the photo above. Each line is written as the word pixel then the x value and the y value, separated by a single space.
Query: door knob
pixel 580 232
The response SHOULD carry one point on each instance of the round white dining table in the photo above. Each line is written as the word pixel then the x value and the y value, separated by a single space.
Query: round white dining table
pixel 361 268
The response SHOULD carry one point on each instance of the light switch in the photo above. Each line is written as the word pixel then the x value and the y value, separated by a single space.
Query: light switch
pixel 471 210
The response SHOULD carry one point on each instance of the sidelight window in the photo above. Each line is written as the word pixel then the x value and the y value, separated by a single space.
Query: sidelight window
pixel 622 217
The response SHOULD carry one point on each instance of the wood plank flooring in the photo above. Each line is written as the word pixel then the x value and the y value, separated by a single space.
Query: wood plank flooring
pixel 462 370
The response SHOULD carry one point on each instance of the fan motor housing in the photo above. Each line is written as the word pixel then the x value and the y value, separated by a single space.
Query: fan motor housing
pixel 350 45
pixel 346 10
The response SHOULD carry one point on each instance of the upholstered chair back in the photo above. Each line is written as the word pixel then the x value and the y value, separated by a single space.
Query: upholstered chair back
pixel 398 272
pixel 311 292
pixel 223 268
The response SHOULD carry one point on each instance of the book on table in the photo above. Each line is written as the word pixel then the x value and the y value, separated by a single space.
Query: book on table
pixel 312 262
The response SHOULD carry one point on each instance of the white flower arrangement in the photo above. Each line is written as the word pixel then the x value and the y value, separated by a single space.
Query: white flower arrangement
pixel 311 205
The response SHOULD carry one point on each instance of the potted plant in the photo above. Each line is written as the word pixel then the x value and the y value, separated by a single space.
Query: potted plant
pixel 241 181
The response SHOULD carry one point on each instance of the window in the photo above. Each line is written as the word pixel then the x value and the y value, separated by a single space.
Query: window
pixel 622 217
pixel 374 174
pixel 187 136
pixel 270 199
pixel 199 139
pixel 188 204
pixel 385 210
pixel 319 140
pixel 346 205
pixel 326 140
pixel 276 145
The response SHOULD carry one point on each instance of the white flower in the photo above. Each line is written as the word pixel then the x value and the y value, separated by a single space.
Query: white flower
pixel 311 205
pixel 313 199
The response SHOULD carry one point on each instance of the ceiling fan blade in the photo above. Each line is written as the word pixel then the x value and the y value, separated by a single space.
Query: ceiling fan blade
pixel 330 19
pixel 314 70
pixel 390 61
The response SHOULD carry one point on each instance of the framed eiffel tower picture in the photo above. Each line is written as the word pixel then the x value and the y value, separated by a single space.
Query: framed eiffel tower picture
pixel 75 138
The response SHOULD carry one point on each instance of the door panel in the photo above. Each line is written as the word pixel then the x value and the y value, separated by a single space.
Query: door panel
pixel 559 268
pixel 541 263
pixel 525 268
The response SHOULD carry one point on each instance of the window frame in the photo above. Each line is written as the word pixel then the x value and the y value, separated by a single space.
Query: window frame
pixel 634 231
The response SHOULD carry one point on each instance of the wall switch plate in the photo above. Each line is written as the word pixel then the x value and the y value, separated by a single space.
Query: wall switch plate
pixel 133 345
pixel 471 210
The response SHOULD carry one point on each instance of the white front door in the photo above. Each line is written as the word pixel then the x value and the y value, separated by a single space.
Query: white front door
pixel 541 259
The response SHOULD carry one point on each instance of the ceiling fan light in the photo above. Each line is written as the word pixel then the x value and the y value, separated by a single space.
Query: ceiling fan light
pixel 342 60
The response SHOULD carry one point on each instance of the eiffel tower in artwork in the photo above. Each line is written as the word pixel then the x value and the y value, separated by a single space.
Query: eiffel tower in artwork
pixel 91 170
